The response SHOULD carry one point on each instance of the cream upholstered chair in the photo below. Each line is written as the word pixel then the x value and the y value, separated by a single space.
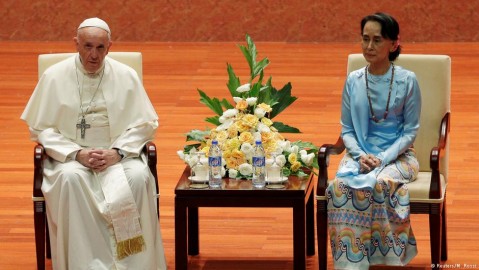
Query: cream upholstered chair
pixel 132 59
pixel 42 240
pixel 428 192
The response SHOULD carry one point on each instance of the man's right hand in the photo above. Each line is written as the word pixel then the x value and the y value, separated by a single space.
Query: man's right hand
pixel 98 159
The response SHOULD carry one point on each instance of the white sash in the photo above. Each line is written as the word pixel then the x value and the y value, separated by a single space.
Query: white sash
pixel 123 211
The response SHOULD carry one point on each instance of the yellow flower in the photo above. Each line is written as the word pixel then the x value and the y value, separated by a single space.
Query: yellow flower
pixel 242 105
pixel 233 144
pixel 234 159
pixel 265 107
pixel 232 131
pixel 266 121
pixel 221 137
pixel 270 147
pixel 292 158
pixel 237 154
pixel 247 122
pixel 246 137
pixel 267 136
pixel 213 133
pixel 295 166
pixel 205 150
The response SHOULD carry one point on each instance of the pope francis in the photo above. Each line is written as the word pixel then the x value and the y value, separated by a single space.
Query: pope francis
pixel 93 116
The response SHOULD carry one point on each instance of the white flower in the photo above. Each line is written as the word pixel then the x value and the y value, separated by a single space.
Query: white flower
pixel 245 169
pixel 257 136
pixel 247 149
pixel 243 88
pixel 237 99
pixel 251 100
pixel 227 123
pixel 222 119
pixel 308 159
pixel 294 149
pixel 285 145
pixel 263 128
pixel 281 160
pixel 260 113
pixel 303 152
pixel 232 173
pixel 230 113
pixel 181 154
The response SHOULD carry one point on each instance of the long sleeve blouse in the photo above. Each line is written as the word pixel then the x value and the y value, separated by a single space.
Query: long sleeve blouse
pixel 389 138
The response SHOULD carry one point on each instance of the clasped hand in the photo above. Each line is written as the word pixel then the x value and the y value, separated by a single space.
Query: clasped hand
pixel 368 163
pixel 98 159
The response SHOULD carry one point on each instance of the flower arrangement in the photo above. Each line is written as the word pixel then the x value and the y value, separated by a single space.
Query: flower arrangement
pixel 238 126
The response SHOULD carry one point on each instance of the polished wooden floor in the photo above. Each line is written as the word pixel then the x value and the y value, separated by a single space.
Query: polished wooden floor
pixel 238 238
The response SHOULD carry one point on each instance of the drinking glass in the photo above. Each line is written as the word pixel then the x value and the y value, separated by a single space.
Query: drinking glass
pixel 274 177
pixel 199 172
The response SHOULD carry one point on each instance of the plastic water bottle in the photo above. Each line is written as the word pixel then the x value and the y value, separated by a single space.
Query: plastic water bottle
pixel 214 163
pixel 259 170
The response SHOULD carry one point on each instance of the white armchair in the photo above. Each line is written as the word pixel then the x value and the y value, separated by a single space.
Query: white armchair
pixel 42 241
pixel 428 192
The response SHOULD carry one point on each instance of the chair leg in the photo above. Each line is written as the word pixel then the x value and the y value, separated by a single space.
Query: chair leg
pixel 444 233
pixel 322 232
pixel 47 234
pixel 39 223
pixel 435 227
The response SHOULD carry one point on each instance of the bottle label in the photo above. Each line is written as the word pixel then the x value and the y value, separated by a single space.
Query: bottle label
pixel 258 161
pixel 214 161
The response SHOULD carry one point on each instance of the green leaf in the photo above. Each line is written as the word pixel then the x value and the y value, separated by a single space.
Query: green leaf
pixel 197 135
pixel 252 51
pixel 306 145
pixel 300 173
pixel 254 92
pixel 284 99
pixel 248 57
pixel 233 81
pixel 226 104
pixel 188 147
pixel 214 104
pixel 260 66
pixel 215 120
pixel 285 128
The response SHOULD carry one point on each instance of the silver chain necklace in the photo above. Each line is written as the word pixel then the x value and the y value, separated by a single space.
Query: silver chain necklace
pixel 83 125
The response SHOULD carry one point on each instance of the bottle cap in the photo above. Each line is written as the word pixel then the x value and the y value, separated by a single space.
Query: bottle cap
pixel 258 142
pixel 214 142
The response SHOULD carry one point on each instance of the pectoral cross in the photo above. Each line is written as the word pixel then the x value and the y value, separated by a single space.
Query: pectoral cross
pixel 83 126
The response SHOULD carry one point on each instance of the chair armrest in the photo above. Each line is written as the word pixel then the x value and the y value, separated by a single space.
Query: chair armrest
pixel 436 153
pixel 150 152
pixel 38 156
pixel 323 162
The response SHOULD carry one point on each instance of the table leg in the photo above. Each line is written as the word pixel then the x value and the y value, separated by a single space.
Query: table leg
pixel 193 231
pixel 310 248
pixel 181 258
pixel 299 235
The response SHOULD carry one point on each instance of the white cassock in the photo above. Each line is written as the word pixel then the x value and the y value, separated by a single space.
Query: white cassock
pixel 85 226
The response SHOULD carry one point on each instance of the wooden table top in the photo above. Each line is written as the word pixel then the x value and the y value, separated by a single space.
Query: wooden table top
pixel 294 186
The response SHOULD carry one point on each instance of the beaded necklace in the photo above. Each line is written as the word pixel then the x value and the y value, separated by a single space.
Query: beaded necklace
pixel 369 98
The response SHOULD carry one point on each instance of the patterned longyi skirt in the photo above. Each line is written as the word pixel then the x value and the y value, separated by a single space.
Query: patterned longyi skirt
pixel 371 226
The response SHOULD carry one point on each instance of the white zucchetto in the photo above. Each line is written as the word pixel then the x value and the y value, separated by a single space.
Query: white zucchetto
pixel 95 22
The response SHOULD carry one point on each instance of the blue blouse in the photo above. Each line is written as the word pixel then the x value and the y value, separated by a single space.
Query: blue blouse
pixel 389 138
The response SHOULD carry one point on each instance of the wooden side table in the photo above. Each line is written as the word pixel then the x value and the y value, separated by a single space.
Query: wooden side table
pixel 297 194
